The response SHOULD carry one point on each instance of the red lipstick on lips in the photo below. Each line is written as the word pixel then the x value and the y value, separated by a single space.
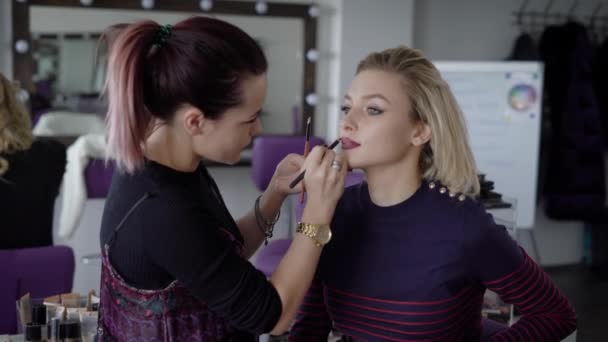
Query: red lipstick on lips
pixel 348 144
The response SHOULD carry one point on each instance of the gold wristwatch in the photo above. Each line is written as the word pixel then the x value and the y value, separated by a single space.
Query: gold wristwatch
pixel 319 233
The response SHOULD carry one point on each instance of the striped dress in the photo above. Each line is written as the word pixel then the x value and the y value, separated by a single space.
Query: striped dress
pixel 418 270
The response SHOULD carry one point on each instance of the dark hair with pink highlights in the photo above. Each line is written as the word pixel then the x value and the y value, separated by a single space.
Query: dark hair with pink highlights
pixel 202 63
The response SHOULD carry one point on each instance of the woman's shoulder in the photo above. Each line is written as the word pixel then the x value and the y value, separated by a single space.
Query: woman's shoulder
pixel 46 157
pixel 463 212
pixel 479 229
pixel 49 148
pixel 439 201
pixel 42 150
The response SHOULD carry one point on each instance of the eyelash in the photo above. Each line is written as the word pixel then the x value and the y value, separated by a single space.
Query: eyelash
pixel 370 110
pixel 376 111
pixel 252 120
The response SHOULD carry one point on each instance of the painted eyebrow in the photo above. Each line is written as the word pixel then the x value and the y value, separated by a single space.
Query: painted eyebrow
pixel 369 96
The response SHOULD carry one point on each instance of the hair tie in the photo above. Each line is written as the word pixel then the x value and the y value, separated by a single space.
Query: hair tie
pixel 163 35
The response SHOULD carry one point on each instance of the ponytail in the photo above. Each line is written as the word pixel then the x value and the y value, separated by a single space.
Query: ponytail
pixel 128 119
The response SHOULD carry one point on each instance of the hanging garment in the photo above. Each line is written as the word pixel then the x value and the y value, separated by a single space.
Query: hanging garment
pixel 524 49
pixel 600 83
pixel 575 180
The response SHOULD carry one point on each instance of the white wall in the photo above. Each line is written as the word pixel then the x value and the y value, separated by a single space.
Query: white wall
pixel 476 29
pixel 464 29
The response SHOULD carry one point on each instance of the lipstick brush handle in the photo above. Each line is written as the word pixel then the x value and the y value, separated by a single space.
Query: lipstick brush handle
pixel 301 175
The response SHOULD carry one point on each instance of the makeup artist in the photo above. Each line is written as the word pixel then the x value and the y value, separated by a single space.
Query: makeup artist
pixel 175 262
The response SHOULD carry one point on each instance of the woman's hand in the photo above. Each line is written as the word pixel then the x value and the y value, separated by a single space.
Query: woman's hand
pixel 324 181
pixel 286 171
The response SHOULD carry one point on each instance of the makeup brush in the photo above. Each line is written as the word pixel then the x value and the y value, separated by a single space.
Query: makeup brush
pixel 306 150
pixel 301 175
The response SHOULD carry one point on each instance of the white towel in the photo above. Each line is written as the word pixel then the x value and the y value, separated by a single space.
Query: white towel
pixel 74 190
pixel 59 123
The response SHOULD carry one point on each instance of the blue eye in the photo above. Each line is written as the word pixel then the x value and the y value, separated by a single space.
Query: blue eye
pixel 374 111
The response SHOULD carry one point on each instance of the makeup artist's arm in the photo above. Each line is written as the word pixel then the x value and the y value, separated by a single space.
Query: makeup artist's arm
pixel 270 203
pixel 313 322
pixel 293 276
pixel 212 270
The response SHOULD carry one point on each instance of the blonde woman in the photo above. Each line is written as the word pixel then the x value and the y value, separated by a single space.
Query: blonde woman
pixel 30 176
pixel 413 252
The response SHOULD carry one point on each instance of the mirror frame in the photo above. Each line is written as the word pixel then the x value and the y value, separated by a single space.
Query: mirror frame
pixel 23 62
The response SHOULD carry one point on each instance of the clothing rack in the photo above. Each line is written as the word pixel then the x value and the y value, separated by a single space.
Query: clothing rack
pixel 535 21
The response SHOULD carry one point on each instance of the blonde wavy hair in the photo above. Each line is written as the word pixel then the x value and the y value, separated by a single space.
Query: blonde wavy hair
pixel 15 123
pixel 447 157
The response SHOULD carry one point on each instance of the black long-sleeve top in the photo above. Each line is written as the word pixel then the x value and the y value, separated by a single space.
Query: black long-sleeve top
pixel 179 233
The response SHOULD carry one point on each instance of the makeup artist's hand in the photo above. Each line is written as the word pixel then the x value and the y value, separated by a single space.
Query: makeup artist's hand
pixel 324 181
pixel 286 171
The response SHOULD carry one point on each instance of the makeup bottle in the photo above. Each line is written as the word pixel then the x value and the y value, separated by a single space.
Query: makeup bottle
pixel 33 333
pixel 70 331
pixel 39 316
pixel 54 330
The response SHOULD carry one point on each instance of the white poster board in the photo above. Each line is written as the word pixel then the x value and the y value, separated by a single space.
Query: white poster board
pixel 502 106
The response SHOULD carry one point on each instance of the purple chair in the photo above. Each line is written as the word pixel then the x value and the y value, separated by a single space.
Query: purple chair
pixel 270 256
pixel 268 151
pixel 37 114
pixel 41 272
pixel 44 88
pixel 98 177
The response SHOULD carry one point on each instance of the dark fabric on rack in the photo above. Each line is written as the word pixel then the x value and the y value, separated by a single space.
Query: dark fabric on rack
pixel 524 49
pixel 575 184
pixel 600 82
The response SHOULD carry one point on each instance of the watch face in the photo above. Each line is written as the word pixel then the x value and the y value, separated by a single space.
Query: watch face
pixel 324 235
